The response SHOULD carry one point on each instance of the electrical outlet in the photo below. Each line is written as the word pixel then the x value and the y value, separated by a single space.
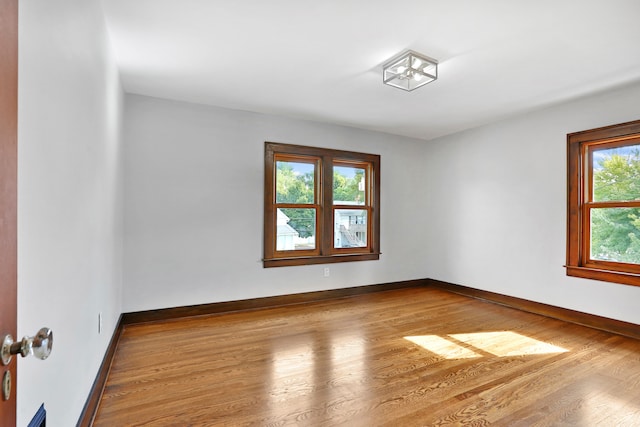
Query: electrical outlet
pixel 99 323
pixel 327 272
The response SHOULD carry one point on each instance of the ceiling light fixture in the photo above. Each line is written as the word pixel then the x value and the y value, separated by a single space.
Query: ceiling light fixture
pixel 409 71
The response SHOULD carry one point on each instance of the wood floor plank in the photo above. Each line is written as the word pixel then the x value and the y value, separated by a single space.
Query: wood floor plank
pixel 407 357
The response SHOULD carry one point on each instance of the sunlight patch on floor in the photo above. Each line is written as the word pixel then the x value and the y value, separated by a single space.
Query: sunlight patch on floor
pixel 500 343
pixel 443 347
pixel 507 343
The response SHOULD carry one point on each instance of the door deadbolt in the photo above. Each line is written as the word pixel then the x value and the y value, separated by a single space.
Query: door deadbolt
pixel 39 345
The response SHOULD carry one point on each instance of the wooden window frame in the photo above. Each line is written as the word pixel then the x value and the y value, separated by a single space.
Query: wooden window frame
pixel 324 252
pixel 579 203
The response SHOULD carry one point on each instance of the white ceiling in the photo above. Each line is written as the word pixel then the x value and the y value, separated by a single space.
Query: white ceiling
pixel 322 59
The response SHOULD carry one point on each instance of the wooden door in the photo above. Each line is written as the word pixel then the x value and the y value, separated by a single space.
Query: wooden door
pixel 8 192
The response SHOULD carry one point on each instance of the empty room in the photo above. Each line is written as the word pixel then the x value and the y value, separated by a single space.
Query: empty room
pixel 296 213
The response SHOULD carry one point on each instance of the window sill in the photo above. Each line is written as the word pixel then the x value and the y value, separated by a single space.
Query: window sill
pixel 604 275
pixel 329 259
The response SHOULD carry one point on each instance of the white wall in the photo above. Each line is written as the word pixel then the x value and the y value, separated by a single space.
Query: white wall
pixel 497 206
pixel 70 201
pixel 194 203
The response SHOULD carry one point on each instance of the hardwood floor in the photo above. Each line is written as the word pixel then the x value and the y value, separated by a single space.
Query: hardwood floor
pixel 408 357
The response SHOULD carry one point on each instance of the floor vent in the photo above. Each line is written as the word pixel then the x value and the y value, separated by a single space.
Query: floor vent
pixel 40 418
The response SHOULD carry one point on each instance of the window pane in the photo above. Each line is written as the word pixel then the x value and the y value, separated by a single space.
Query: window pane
pixel 615 234
pixel 616 174
pixel 350 229
pixel 296 229
pixel 295 182
pixel 348 185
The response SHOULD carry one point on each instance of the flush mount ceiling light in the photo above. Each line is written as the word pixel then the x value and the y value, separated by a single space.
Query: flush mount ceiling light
pixel 409 71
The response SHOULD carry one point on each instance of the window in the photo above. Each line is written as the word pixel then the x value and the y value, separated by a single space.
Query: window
pixel 320 205
pixel 603 209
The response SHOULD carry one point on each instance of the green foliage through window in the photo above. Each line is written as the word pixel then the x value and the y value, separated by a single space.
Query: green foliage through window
pixel 293 184
pixel 348 189
pixel 615 232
